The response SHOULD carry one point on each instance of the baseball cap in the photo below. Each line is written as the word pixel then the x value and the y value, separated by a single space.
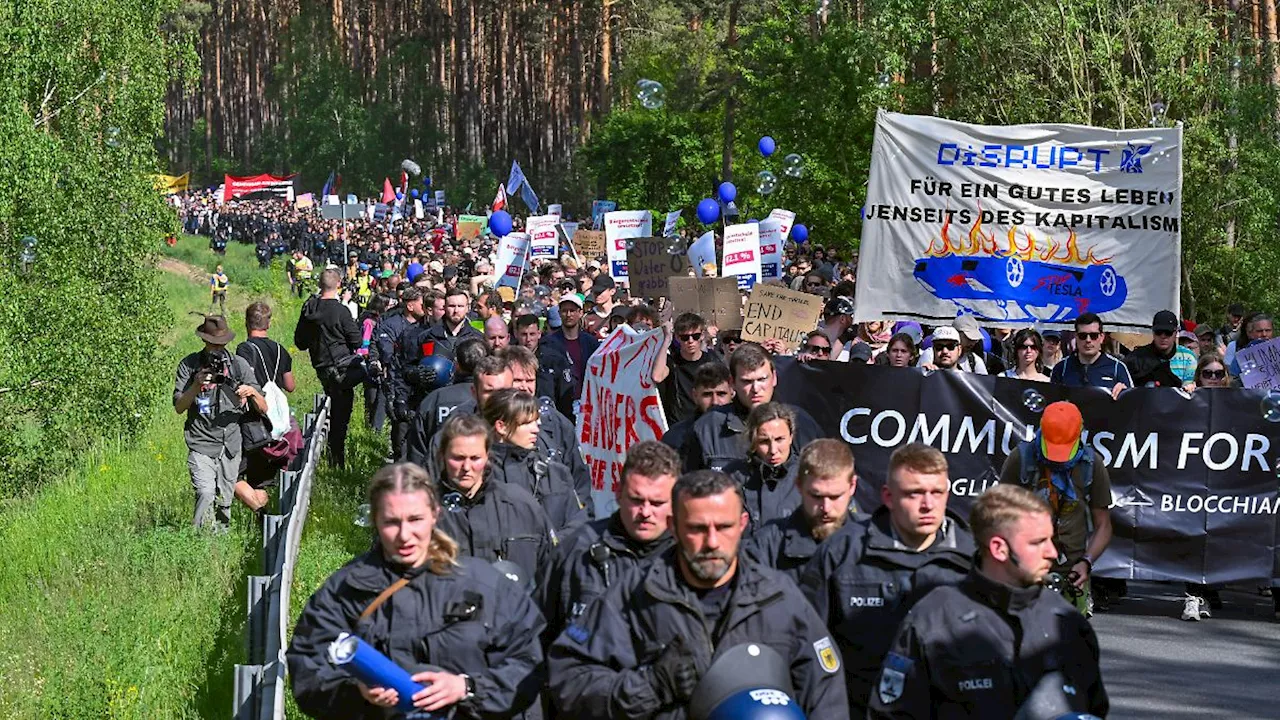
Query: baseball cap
pixel 967 326
pixel 838 305
pixel 1236 309
pixel 1060 429
pixel 571 298
pixel 450 272
pixel 1205 329
pixel 1165 321
pixel 945 333
pixel 860 352
pixel 1055 334
pixel 602 283
pixel 1187 335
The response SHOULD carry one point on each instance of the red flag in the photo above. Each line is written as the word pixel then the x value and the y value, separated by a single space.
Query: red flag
pixel 404 183
pixel 388 195
pixel 499 200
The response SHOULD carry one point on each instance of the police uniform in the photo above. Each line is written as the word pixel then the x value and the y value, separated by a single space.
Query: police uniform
pixel 586 564
pixel 977 650
pixel 446 342
pixel 770 492
pixel 599 666
pixel 502 522
pixel 470 621
pixel 429 417
pixel 787 544
pixel 720 436
pixel 863 581
pixel 547 480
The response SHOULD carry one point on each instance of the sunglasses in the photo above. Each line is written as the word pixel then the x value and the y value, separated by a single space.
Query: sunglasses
pixel 1088 335
pixel 686 337
pixel 1213 374
pixel 946 345
pixel 1163 333
pixel 818 349
pixel 732 340
pixel 1028 347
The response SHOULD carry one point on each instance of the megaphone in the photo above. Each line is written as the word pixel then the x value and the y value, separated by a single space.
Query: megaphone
pixel 750 681
pixel 1054 698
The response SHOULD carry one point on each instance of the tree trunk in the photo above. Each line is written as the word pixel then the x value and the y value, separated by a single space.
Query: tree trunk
pixel 730 101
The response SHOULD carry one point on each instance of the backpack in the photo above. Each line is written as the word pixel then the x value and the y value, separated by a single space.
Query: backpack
pixel 278 413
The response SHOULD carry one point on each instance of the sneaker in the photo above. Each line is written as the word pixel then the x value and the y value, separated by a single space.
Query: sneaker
pixel 1194 608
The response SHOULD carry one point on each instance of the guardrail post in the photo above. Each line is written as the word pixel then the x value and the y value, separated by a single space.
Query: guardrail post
pixel 308 424
pixel 273 539
pixel 259 587
pixel 287 484
pixel 247 685
pixel 317 402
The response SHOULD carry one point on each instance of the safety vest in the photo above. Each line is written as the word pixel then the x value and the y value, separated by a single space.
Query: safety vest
pixel 302 268
pixel 363 291
pixel 219 282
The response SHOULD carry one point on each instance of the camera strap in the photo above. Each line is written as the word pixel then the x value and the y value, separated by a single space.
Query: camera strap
pixel 392 589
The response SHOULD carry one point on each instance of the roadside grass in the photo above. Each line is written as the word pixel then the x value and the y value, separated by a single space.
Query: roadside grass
pixel 112 606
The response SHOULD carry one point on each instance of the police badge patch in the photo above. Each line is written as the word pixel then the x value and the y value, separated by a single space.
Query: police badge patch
pixel 827 656
pixel 893 677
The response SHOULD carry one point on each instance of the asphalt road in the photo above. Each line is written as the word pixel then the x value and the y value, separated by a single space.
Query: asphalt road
pixel 1158 666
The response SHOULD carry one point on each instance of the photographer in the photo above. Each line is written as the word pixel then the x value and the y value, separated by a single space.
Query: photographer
pixel 213 388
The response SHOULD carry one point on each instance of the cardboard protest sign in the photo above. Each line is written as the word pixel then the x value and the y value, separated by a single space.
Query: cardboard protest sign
pixel 544 240
pixel 470 226
pixel 1260 365
pixel 650 266
pixel 702 252
pixel 620 226
pixel 717 300
pixel 742 254
pixel 513 253
pixel 775 313
pixel 589 243
pixel 771 237
pixel 619 408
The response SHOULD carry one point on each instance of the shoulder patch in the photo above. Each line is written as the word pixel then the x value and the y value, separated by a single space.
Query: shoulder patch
pixel 827 656
pixel 578 633
pixel 893 677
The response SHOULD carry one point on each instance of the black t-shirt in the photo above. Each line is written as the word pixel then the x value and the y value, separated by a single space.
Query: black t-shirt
pixel 264 364
pixel 677 389
pixel 714 601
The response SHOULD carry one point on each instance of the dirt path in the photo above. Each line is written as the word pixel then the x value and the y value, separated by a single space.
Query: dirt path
pixel 177 267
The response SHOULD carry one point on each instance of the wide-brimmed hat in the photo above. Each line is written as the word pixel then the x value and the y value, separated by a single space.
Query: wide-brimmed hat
pixel 214 330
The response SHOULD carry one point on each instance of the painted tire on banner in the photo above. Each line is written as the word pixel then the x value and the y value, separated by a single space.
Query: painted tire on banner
pixel 1107 282
pixel 1014 272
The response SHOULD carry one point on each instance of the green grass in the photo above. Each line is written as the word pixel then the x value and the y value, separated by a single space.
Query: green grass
pixel 113 607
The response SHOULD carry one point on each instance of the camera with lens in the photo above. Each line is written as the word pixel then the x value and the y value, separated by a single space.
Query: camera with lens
pixel 218 368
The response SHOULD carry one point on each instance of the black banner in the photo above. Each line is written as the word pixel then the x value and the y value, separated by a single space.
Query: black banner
pixel 1194 477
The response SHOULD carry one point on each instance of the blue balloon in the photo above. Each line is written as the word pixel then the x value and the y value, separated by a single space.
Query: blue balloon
pixel 727 192
pixel 753 221
pixel 767 146
pixel 414 193
pixel 399 195
pixel 500 223
pixel 708 211
pixel 800 234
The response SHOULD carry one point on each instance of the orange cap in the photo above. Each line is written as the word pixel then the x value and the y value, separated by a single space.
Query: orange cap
pixel 1060 429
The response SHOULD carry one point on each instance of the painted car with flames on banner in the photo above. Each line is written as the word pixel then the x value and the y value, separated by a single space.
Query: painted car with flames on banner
pixel 1030 280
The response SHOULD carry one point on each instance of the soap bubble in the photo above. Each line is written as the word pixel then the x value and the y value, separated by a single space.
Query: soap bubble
pixel 1271 406
pixel 364 516
pixel 766 182
pixel 1033 400
pixel 651 94
pixel 631 244
pixel 793 166
pixel 452 501
pixel 884 81
pixel 113 138
pixel 541 292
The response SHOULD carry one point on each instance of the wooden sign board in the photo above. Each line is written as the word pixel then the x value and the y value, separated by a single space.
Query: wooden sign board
pixel 775 313
pixel 717 300
pixel 650 267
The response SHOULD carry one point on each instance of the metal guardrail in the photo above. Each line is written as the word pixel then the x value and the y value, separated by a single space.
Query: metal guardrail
pixel 260 685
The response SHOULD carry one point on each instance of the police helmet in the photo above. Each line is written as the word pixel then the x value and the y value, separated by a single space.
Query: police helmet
pixel 514 573
pixel 443 368
pixel 1054 697
pixel 750 681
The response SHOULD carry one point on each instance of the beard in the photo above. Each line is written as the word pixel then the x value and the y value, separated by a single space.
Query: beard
pixel 822 531
pixel 707 566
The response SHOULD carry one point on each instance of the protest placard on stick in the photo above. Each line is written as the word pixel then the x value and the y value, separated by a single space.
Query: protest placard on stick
pixel 717 300
pixel 1260 365
pixel 589 243
pixel 650 267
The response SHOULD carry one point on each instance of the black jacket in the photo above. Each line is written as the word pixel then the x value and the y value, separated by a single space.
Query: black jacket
pixel 599 664
pixel 431 413
pixel 547 480
pixel 977 649
pixel 786 545
pixel 555 378
pixel 424 623
pixel 390 334
pixel 587 563
pixel 1147 365
pixel 445 342
pixel 553 344
pixel 771 492
pixel 502 522
pixel 720 436
pixel 862 582
pixel 326 330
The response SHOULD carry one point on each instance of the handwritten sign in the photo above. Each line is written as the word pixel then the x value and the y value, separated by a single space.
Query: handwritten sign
pixel 1260 365
pixel 775 313
pixel 470 226
pixel 650 267
pixel 717 300
pixel 589 243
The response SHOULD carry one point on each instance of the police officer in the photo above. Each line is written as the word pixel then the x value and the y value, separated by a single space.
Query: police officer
pixel 768 473
pixel 980 649
pixel 826 481
pixel 639 650
pixel 437 406
pixel 393 327
pixel 489 375
pixel 453 328
pixel 718 437
pixel 866 577
pixel 490 520
pixel 558 437
pixel 515 458
pixel 712 386
pixel 454 622
pixel 555 376
pixel 601 553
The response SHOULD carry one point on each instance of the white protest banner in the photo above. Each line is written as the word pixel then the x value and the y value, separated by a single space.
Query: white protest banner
pixel 555 209
pixel 439 195
pixel 417 209
pixel 785 219
pixel 669 227
pixel 1260 365
pixel 1020 224
pixel 742 254
pixel 771 237
pixel 543 238
pixel 513 251
pixel 620 226
pixel 619 408
pixel 702 252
